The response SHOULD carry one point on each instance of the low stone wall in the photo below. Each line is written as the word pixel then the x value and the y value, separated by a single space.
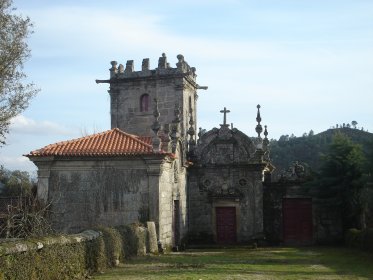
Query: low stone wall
pixel 73 256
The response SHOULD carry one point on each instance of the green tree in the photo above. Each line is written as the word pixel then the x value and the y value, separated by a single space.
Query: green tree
pixel 15 93
pixel 15 183
pixel 354 124
pixel 342 179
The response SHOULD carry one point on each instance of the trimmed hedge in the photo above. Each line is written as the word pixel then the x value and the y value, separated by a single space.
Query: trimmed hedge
pixel 360 238
pixel 134 240
pixel 71 256
pixel 113 246
pixel 54 257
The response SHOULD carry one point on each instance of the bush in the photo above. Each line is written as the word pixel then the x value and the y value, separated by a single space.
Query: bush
pixel 134 238
pixel 360 238
pixel 53 257
pixel 353 238
pixel 70 256
pixel 368 239
pixel 113 245
pixel 63 262
pixel 95 258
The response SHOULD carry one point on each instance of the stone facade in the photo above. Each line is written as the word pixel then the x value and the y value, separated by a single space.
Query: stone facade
pixel 326 222
pixel 217 185
pixel 132 95
pixel 113 187
pixel 90 192
pixel 228 173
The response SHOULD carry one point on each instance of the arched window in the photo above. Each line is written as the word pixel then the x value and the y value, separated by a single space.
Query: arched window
pixel 144 103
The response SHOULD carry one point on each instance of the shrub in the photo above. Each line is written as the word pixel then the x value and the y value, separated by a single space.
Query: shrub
pixel 353 238
pixel 95 258
pixel 53 257
pixel 134 238
pixel 368 239
pixel 113 245
pixel 59 261
pixel 360 238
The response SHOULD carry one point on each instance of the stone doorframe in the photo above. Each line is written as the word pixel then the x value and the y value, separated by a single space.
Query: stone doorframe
pixel 235 202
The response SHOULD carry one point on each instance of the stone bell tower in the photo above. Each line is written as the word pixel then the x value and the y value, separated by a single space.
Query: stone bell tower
pixel 133 94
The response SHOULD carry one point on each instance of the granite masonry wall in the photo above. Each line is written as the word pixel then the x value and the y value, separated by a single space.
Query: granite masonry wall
pixel 170 86
pixel 326 218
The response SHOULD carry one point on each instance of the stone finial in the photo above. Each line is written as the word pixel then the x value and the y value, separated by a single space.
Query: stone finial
pixel 180 58
pixel 121 69
pixel 162 62
pixel 191 132
pixel 200 132
pixel 174 133
pixel 265 145
pixel 129 66
pixel 145 64
pixel 183 66
pixel 258 128
pixel 156 141
pixel 177 113
pixel 265 140
pixel 225 112
pixel 166 137
pixel 113 70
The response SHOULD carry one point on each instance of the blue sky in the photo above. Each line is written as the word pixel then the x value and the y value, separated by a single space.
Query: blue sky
pixel 308 63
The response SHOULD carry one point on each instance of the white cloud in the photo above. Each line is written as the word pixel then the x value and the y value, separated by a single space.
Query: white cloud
pixel 17 163
pixel 23 125
pixel 297 69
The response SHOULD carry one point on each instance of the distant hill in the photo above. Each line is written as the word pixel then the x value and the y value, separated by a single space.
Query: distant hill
pixel 308 149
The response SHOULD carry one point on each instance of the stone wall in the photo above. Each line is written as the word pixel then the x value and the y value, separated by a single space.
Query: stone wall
pixel 244 192
pixel 169 85
pixel 326 217
pixel 87 193
pixel 227 172
pixel 172 192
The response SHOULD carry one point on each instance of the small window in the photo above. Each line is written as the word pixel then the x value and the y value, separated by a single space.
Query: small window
pixel 144 103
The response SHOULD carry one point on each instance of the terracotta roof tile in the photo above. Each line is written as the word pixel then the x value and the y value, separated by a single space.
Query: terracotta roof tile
pixel 114 142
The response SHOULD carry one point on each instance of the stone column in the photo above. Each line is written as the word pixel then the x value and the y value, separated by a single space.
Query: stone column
pixel 154 171
pixel 44 166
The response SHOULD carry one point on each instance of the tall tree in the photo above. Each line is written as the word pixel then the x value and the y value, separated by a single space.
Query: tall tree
pixel 15 183
pixel 15 93
pixel 342 179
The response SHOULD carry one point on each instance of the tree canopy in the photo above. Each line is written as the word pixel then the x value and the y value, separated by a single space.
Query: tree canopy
pixel 15 183
pixel 342 179
pixel 15 93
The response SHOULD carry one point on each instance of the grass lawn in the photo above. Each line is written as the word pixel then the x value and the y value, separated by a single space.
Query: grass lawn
pixel 246 263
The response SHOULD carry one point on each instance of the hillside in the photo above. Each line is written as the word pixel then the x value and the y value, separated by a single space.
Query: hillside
pixel 308 149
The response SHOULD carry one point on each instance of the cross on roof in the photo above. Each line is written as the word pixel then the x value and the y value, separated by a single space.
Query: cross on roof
pixel 225 111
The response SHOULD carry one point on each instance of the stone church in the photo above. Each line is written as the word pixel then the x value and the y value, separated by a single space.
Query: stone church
pixel 154 166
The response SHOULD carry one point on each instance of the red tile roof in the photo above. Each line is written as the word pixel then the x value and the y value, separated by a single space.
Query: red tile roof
pixel 114 142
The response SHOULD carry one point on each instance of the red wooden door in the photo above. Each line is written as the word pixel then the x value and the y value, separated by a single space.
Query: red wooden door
pixel 297 220
pixel 226 225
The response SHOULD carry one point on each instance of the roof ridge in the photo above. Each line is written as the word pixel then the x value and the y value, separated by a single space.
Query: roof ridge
pixel 133 136
pixel 78 139
pixel 110 142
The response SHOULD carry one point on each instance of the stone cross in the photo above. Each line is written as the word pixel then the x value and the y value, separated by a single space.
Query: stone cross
pixel 225 111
